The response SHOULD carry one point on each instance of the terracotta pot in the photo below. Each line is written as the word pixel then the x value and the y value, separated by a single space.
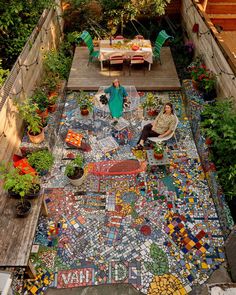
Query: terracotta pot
pixel 36 138
pixel 195 84
pixel 152 113
pixel 84 112
pixel 52 108
pixel 44 114
pixel 52 94
pixel 158 156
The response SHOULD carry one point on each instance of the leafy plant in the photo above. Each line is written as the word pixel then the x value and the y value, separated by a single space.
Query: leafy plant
pixel 41 160
pixel 84 100
pixel 3 74
pixel 71 167
pixel 18 19
pixel 219 125
pixel 55 62
pixel 49 82
pixel 27 111
pixel 40 98
pixel 52 99
pixel 205 78
pixel 158 148
pixel 16 182
pixel 151 102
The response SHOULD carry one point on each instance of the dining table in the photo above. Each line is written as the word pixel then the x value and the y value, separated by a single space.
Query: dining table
pixel 125 48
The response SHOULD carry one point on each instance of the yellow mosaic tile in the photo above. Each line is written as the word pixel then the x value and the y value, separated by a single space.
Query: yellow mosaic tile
pixel 191 243
pixel 204 265
pixel 34 289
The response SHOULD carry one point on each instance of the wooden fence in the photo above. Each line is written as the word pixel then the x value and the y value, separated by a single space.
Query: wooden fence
pixel 24 76
pixel 209 44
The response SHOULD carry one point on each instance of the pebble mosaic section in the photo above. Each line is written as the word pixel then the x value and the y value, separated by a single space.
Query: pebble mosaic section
pixel 160 234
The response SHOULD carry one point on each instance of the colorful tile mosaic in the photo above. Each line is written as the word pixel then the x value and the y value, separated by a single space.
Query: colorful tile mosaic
pixel 40 284
pixel 160 234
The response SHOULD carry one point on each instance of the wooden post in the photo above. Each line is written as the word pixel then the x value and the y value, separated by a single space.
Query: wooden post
pixel 31 270
pixel 44 209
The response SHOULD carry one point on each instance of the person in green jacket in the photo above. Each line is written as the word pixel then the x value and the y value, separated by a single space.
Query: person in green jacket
pixel 118 95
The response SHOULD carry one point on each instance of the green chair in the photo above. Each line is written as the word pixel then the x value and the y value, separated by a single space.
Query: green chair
pixel 160 40
pixel 86 37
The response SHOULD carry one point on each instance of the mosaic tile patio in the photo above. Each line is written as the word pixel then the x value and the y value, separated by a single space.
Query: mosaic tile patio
pixel 160 234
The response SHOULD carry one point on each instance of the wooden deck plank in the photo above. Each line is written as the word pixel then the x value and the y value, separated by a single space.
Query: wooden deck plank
pixel 229 38
pixel 16 234
pixel 161 77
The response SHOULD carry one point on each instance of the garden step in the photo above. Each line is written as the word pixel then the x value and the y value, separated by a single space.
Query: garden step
pixel 226 21
pixel 221 8
pixel 220 1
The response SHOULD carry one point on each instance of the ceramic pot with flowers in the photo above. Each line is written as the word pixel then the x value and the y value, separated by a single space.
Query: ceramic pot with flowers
pixel 158 151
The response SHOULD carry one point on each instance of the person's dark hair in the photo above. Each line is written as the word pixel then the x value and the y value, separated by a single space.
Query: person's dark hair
pixel 170 105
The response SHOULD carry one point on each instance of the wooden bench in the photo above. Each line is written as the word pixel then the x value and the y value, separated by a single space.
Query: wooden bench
pixel 17 234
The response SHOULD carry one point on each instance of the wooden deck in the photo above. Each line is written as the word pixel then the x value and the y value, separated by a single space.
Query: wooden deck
pixel 17 234
pixel 161 77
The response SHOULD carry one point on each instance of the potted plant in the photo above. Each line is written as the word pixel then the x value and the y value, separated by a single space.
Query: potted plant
pixel 52 99
pixel 50 84
pixel 40 98
pixel 55 61
pixel 27 111
pixel 41 161
pixel 151 104
pixel 158 150
pixel 85 102
pixel 74 170
pixel 203 79
pixel 20 186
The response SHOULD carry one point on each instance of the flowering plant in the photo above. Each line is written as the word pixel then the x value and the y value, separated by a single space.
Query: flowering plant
pixel 158 148
pixel 205 78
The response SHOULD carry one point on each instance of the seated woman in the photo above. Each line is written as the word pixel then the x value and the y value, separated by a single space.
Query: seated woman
pixel 117 96
pixel 162 126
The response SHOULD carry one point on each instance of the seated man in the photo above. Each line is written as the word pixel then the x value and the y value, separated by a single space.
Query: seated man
pixel 162 126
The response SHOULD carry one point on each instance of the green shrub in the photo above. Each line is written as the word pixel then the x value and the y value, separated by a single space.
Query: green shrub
pixel 219 125
pixel 41 160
